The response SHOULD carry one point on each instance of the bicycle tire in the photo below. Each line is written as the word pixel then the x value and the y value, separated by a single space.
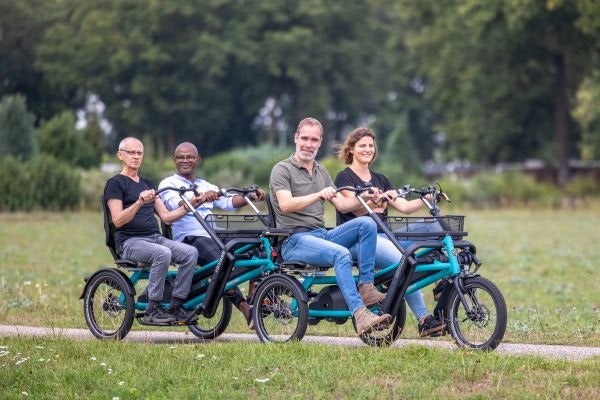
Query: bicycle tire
pixel 385 337
pixel 108 305
pixel 280 313
pixel 484 328
pixel 212 328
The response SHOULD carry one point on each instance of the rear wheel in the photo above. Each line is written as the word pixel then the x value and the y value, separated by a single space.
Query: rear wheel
pixel 484 325
pixel 386 336
pixel 280 315
pixel 211 328
pixel 108 305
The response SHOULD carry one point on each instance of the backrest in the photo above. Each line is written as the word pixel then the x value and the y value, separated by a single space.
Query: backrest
pixel 109 229
pixel 167 230
pixel 271 213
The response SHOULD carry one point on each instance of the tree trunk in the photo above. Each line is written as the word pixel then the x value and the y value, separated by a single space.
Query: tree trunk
pixel 561 123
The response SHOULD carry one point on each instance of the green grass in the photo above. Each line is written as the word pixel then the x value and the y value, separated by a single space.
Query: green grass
pixel 59 368
pixel 545 263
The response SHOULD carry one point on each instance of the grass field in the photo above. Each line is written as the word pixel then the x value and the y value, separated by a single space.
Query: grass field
pixel 543 261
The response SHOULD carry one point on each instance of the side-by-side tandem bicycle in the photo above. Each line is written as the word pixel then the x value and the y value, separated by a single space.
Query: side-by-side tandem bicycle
pixel 292 295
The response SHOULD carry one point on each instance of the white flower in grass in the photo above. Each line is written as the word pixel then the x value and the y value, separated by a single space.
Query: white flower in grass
pixel 172 347
pixel 103 364
pixel 24 393
pixel 39 347
pixel 262 380
pixel 4 353
pixel 21 361
pixel 27 283
pixel 3 347
pixel 110 371
pixel 200 356
pixel 121 383
pixel 92 358
pixel 116 398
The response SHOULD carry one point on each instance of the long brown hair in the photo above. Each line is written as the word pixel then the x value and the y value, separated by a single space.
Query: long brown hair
pixel 345 150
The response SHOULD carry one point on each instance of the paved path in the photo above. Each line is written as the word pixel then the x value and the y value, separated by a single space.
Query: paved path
pixel 550 351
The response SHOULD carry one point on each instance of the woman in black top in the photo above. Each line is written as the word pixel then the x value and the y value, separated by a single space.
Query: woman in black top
pixel 358 151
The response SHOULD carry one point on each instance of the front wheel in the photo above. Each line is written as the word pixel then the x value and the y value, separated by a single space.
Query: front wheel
pixel 484 325
pixel 386 336
pixel 280 313
pixel 211 328
pixel 108 305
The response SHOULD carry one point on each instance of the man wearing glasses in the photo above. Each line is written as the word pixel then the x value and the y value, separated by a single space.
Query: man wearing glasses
pixel 132 202
pixel 187 228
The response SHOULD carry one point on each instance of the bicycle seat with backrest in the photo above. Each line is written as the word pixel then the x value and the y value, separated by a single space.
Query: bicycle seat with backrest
pixel 109 239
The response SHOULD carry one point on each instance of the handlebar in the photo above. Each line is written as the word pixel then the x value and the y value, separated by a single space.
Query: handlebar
pixel 231 191
pixel 435 190
pixel 180 190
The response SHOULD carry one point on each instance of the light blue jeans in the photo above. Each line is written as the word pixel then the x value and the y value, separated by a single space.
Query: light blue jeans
pixel 324 247
pixel 388 254
pixel 159 252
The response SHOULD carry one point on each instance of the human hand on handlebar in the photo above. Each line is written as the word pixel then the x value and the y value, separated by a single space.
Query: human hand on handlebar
pixel 258 195
pixel 211 195
pixel 147 196
pixel 327 193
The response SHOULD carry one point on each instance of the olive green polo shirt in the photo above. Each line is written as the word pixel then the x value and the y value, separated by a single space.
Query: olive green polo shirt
pixel 289 175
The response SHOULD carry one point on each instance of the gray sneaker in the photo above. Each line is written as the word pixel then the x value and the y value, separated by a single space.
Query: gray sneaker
pixel 156 314
pixel 365 320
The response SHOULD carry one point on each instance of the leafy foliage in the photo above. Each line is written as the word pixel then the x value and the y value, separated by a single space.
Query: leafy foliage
pixel 59 138
pixel 40 183
pixel 16 128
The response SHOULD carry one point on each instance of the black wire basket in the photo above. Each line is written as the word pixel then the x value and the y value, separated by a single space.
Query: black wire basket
pixel 426 228
pixel 231 226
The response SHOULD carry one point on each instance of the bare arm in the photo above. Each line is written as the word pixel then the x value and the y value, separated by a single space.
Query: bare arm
pixel 401 204
pixel 122 216
pixel 346 204
pixel 167 216
pixel 289 203
pixel 360 211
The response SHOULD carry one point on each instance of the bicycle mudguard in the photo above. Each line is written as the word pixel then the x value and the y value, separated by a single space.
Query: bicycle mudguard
pixel 118 275
pixel 217 284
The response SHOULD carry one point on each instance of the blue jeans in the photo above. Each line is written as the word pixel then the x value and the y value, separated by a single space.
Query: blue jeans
pixel 386 255
pixel 324 247
pixel 159 252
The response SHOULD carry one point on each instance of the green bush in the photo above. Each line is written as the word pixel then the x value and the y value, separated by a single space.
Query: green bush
pixel 582 187
pixel 59 139
pixel 511 189
pixel 40 183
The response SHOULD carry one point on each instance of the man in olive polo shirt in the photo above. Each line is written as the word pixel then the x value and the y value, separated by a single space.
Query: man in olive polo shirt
pixel 299 187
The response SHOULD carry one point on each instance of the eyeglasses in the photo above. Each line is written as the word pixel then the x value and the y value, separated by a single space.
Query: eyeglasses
pixel 133 152
pixel 188 157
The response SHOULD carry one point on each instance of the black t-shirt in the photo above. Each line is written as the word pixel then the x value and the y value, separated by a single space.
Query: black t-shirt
pixel 347 177
pixel 128 191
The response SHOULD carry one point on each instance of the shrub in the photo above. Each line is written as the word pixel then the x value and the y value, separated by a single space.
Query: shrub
pixel 59 138
pixel 40 183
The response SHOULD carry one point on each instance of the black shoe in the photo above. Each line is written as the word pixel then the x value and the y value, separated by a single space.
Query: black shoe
pixel 180 315
pixel 431 327
pixel 155 314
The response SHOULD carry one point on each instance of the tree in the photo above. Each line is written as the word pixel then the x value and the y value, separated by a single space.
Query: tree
pixel 22 27
pixel 16 128
pixel 59 138
pixel 502 74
